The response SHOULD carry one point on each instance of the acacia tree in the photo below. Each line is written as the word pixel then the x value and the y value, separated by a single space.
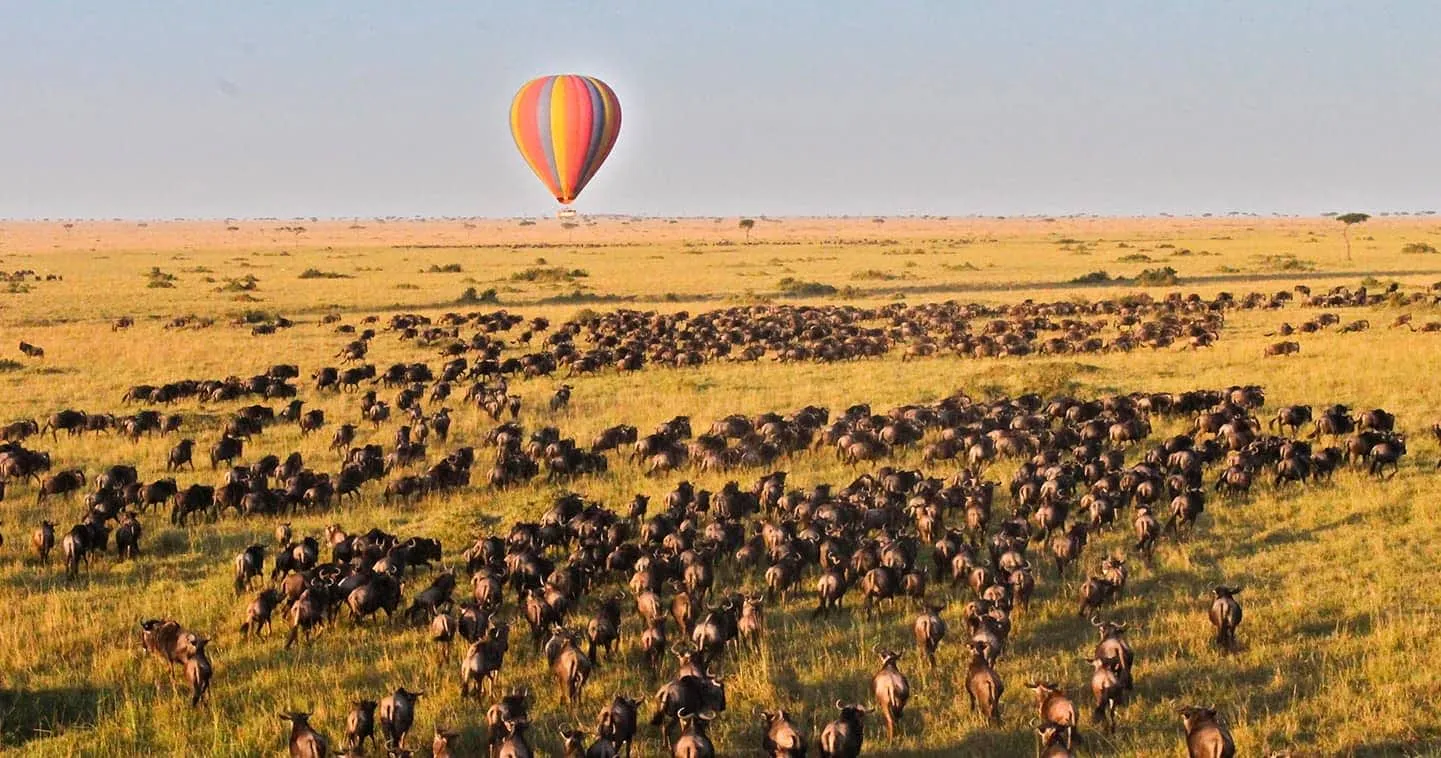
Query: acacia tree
pixel 746 225
pixel 1350 219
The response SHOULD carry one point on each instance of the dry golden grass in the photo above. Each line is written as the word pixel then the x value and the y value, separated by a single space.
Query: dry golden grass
pixel 1340 638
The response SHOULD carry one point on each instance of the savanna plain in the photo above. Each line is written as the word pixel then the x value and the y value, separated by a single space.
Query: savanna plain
pixel 1336 655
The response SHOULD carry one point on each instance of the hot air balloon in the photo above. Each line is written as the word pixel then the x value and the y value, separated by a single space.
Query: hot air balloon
pixel 565 126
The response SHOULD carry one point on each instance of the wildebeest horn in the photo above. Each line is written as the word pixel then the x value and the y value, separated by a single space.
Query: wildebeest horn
pixel 840 705
pixel 1094 620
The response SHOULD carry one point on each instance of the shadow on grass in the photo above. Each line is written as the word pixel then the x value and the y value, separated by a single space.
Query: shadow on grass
pixel 31 715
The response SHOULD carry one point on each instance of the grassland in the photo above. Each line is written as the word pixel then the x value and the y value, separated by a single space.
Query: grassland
pixel 1341 635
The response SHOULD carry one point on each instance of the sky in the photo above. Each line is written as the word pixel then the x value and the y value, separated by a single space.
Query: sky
pixel 361 108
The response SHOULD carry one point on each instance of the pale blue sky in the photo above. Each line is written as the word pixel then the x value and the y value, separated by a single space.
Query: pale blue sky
pixel 210 108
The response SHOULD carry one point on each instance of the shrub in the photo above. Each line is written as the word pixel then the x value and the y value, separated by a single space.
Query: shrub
pixel 548 274
pixel 449 268
pixel 792 287
pixel 7 365
pixel 159 279
pixel 1095 277
pixel 1285 262
pixel 315 273
pixel 1134 258
pixel 579 296
pixel 874 274
pixel 1419 248
pixel 247 283
pixel 471 297
pixel 1157 277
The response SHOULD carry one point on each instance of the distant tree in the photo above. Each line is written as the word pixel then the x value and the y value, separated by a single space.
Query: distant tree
pixel 1350 219
pixel 747 224
pixel 569 227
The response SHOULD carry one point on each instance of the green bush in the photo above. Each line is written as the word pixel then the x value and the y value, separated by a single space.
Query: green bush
pixel 449 268
pixel 1095 277
pixel 1419 248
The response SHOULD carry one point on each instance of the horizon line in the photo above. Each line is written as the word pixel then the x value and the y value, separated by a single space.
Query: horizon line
pixel 315 219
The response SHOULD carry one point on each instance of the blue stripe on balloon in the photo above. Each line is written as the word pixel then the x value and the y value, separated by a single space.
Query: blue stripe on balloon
pixel 542 122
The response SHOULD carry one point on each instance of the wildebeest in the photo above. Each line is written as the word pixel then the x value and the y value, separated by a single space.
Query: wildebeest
pixel 198 669
pixel 1225 614
pixel 304 741
pixel 60 483
pixel 983 685
pixel 1206 737
pixel 1108 690
pixel 1282 348
pixel 687 692
pixel 42 540
pixel 891 690
pixel 782 738
pixel 360 725
pixel 258 613
pixel 225 450
pixel 570 666
pixel 397 715
pixel 844 737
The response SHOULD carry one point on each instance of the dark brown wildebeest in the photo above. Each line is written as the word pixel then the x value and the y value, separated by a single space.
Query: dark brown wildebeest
pixel 1225 615
pixel 1282 348
pixel 1205 735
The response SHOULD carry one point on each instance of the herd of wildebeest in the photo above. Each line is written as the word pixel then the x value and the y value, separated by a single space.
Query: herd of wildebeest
pixel 953 532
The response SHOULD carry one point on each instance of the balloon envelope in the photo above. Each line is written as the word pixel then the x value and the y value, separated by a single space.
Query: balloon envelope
pixel 565 126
